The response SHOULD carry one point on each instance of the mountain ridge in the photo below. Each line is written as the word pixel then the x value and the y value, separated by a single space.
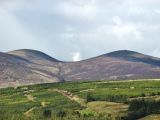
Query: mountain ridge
pixel 28 66
pixel 30 54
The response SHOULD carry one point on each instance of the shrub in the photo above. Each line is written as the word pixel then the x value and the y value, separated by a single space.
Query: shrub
pixel 77 113
pixel 61 113
pixel 89 114
pixel 142 95
pixel 140 108
pixel 152 94
pixel 89 98
pixel 47 113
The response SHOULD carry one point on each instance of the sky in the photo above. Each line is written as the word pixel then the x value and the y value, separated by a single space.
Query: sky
pixel 72 30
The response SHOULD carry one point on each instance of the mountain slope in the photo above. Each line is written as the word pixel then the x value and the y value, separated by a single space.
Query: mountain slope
pixel 29 67
pixel 33 56
pixel 135 57
pixel 116 65
pixel 26 67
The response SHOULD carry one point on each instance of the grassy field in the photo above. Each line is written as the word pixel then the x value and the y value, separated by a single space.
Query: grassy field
pixel 109 100
pixel 151 117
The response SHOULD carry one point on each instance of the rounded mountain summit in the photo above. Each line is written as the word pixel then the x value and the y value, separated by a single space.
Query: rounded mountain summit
pixel 25 66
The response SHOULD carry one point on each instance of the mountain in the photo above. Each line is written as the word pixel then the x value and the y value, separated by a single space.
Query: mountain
pixel 135 57
pixel 116 65
pixel 21 67
pixel 34 56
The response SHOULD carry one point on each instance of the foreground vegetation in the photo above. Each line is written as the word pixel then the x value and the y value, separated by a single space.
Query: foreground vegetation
pixel 109 100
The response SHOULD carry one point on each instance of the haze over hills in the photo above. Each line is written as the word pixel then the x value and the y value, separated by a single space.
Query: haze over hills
pixel 25 66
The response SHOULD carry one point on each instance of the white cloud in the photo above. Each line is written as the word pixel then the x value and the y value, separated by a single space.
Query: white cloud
pixel 156 52
pixel 117 20
pixel 157 11
pixel 124 31
pixel 76 56
pixel 136 10
pixel 14 35
pixel 81 9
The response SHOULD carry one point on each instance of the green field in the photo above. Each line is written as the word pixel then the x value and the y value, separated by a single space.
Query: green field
pixel 109 100
pixel 151 117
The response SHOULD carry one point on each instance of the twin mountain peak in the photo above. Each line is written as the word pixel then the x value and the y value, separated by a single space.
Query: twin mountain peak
pixel 23 67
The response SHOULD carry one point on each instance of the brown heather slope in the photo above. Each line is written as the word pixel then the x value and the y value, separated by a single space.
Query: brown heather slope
pixel 34 56
pixel 25 66
pixel 16 70
pixel 116 65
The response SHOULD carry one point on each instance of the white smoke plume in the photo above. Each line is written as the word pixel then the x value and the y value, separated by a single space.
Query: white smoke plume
pixel 76 56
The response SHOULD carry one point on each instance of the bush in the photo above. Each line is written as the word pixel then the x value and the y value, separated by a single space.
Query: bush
pixel 142 95
pixel 140 108
pixel 61 114
pixel 47 113
pixel 89 114
pixel 89 98
pixel 152 94
pixel 77 113
pixel 116 98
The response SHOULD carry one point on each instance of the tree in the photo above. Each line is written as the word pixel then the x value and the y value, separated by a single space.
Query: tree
pixel 61 113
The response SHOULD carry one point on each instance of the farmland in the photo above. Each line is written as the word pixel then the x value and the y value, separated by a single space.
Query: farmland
pixel 100 100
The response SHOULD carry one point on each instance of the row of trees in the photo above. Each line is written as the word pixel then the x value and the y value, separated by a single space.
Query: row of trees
pixel 140 108
pixel 110 98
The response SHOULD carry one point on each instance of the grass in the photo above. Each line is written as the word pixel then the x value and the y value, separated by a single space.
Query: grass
pixel 151 117
pixel 87 100
pixel 107 108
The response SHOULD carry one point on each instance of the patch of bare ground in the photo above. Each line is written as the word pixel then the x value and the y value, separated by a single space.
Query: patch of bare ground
pixel 70 96
pixel 30 98
pixel 44 104
pixel 157 97
pixel 87 90
pixel 28 112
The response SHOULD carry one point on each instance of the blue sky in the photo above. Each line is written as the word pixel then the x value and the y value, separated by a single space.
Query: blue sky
pixel 79 29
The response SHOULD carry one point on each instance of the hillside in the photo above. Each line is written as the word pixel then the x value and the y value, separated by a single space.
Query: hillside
pixel 34 56
pixel 26 66
pixel 96 100
pixel 116 65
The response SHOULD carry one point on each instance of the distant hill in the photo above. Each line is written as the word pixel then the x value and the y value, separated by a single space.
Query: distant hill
pixel 22 67
pixel 116 65
pixel 26 66
pixel 33 56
